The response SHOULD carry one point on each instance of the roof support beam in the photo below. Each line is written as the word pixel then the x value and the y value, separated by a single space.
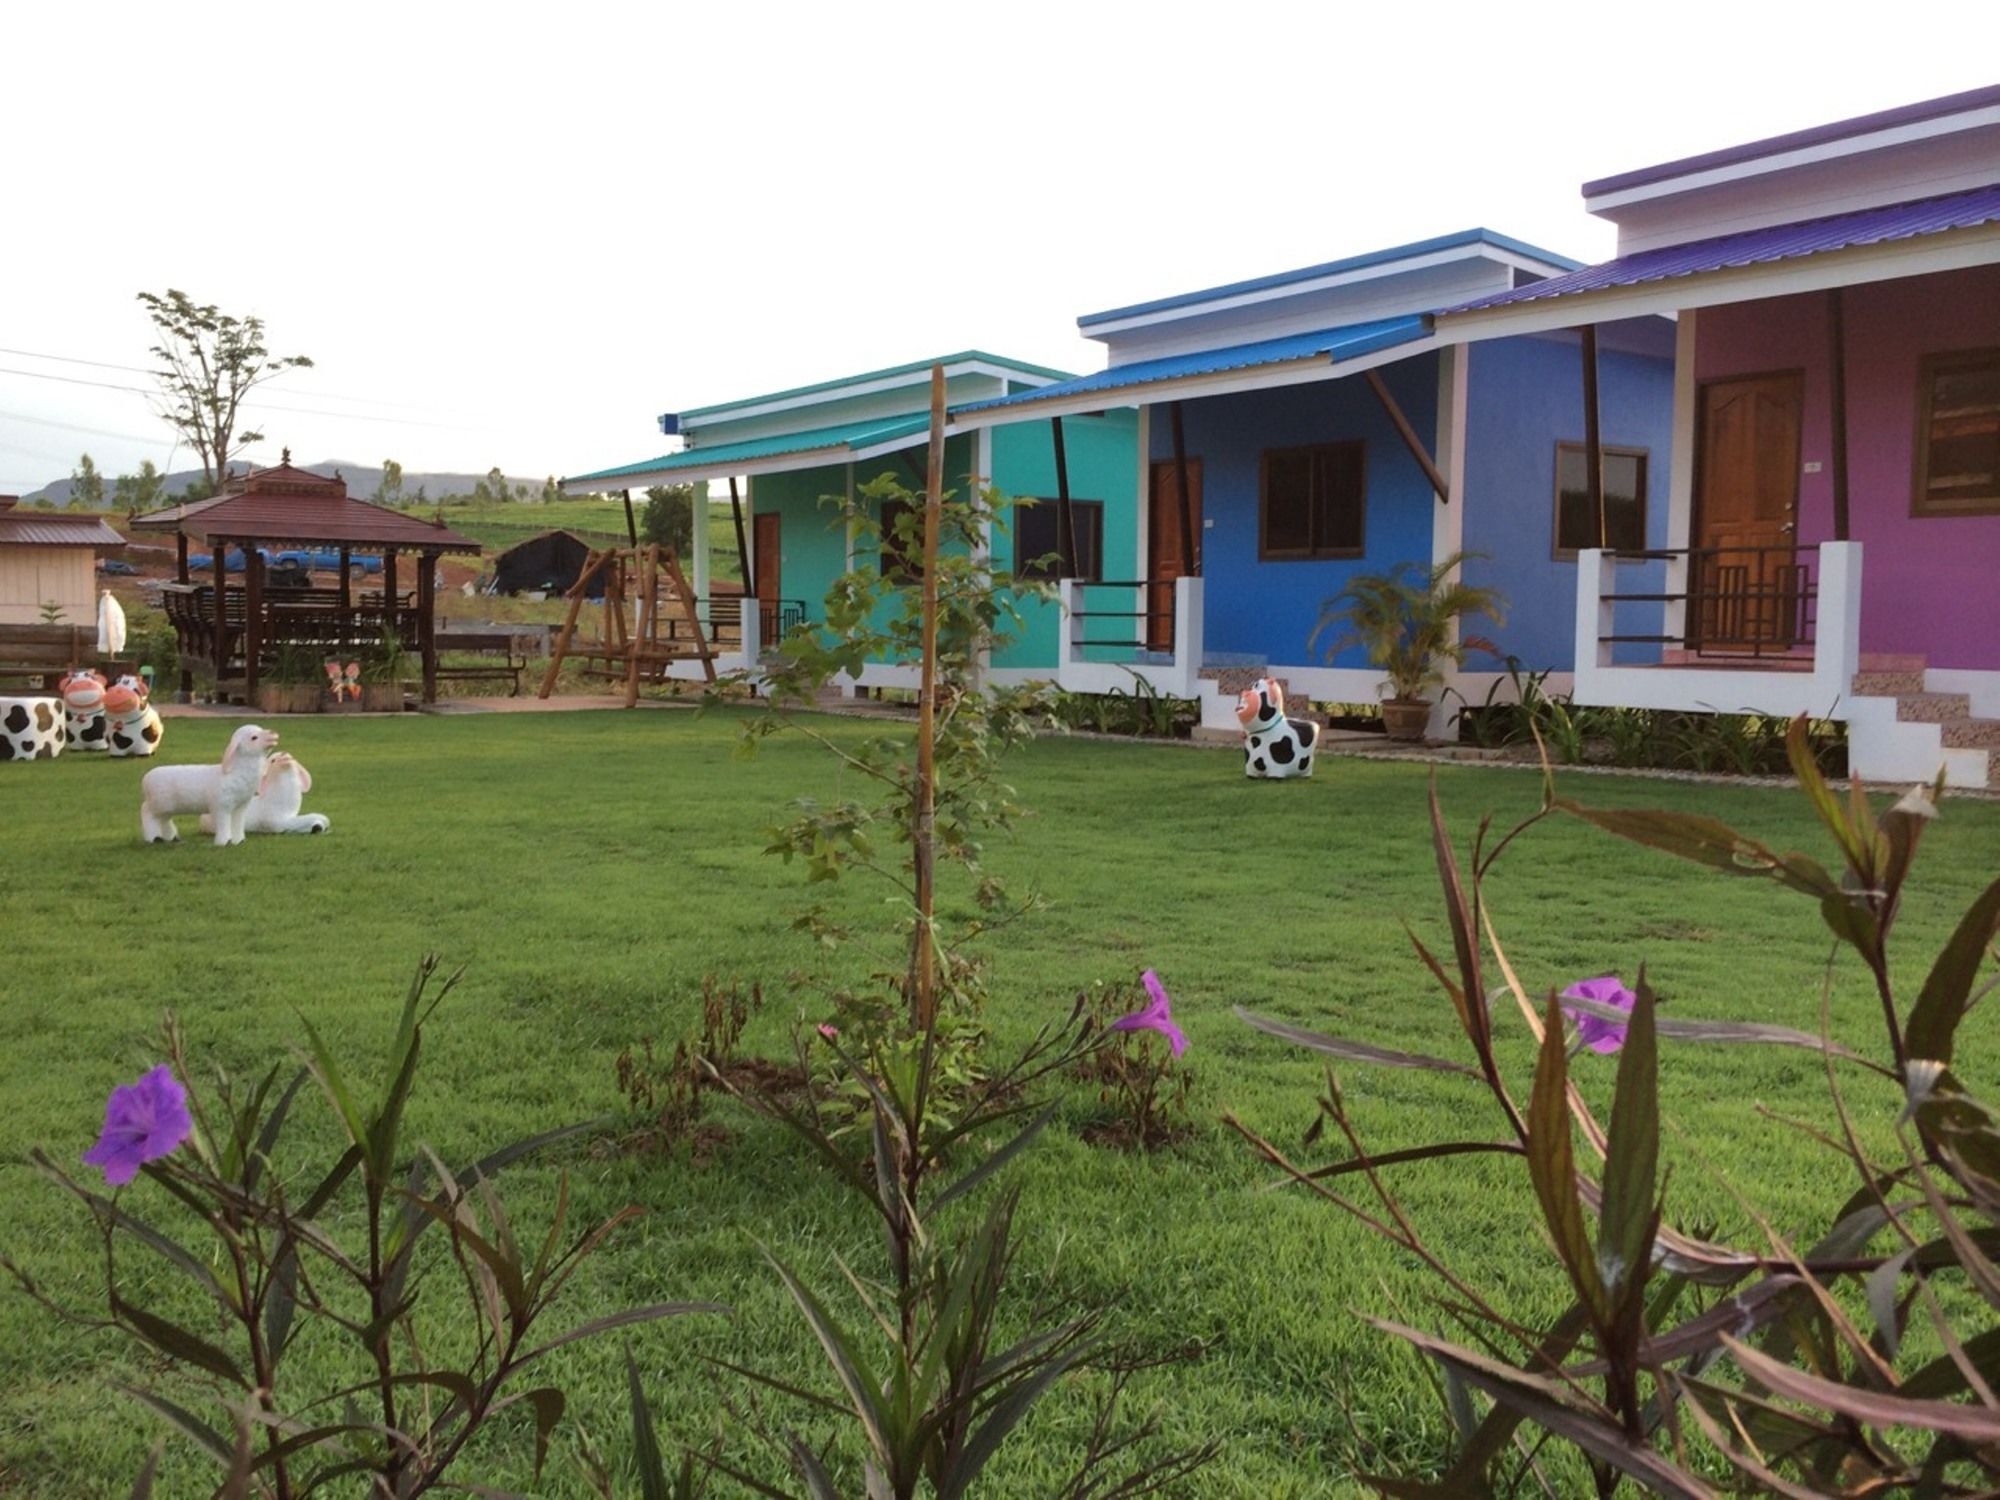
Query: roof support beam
pixel 742 547
pixel 1836 318
pixel 1407 433
pixel 1188 567
pixel 1593 438
pixel 1065 515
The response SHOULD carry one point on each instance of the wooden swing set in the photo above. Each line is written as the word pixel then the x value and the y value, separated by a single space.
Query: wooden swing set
pixel 646 579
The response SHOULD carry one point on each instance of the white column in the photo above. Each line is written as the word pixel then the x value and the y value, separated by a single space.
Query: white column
pixel 1837 633
pixel 698 541
pixel 1069 634
pixel 753 645
pixel 1593 623
pixel 1680 484
pixel 1448 519
pixel 1187 637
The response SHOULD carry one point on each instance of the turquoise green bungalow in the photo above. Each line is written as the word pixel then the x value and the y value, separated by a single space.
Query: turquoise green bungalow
pixel 790 457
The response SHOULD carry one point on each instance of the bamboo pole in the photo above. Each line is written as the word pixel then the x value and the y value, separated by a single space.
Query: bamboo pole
pixel 1065 512
pixel 1593 442
pixel 923 841
pixel 1836 316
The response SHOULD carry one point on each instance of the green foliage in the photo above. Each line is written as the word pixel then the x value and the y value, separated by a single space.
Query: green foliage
pixel 51 612
pixel 284 1253
pixel 1408 620
pixel 207 362
pixel 668 517
pixel 141 492
pixel 388 660
pixel 1145 712
pixel 1146 1090
pixel 1773 1374
pixel 389 491
pixel 86 486
pixel 669 1095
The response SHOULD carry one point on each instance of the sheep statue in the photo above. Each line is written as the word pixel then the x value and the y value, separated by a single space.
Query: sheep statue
pixel 222 791
pixel 275 808
pixel 135 723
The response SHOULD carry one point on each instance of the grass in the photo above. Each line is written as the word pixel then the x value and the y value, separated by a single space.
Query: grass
pixel 590 868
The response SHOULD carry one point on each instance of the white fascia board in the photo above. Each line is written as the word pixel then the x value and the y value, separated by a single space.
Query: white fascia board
pixel 1192 387
pixel 1951 251
pixel 1476 251
pixel 1853 145
pixel 777 463
pixel 913 380
pixel 897 445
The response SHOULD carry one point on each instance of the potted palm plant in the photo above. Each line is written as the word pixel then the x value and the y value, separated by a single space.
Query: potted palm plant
pixel 1406 620
pixel 292 685
pixel 382 674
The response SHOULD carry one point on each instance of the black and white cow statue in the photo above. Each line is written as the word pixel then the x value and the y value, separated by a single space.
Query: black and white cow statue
pixel 31 728
pixel 134 722
pixel 83 701
pixel 1274 747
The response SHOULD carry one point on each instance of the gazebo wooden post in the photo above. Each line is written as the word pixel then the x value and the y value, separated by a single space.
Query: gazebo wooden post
pixel 426 621
pixel 390 624
pixel 181 576
pixel 253 631
pixel 217 652
pixel 346 597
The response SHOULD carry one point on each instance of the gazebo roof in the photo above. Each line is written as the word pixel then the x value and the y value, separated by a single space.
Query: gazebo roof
pixel 296 506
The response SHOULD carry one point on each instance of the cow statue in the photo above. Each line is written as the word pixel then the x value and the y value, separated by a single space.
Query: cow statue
pixel 31 728
pixel 83 703
pixel 135 723
pixel 1274 747
pixel 275 808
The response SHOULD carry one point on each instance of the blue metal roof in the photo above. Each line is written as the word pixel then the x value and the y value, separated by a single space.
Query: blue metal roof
pixel 1330 344
pixel 1756 247
pixel 1466 237
pixel 718 457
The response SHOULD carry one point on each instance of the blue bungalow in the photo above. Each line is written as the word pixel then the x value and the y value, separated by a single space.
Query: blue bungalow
pixel 788 456
pixel 1306 427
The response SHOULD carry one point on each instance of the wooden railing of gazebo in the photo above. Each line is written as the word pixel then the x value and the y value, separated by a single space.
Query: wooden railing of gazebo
pixel 307 619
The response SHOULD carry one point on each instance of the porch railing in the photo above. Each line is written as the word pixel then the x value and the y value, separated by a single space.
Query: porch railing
pixel 1739 629
pixel 1730 602
pixel 1115 628
pixel 308 619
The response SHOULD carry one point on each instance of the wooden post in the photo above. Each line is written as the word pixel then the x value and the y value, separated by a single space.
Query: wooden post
pixel 426 622
pixel 1181 488
pixel 1407 433
pixel 253 623
pixel 742 548
pixel 923 837
pixel 1593 440
pixel 1836 316
pixel 391 623
pixel 631 525
pixel 1065 512
pixel 647 561
pixel 217 548
pixel 181 576
pixel 592 565
pixel 346 598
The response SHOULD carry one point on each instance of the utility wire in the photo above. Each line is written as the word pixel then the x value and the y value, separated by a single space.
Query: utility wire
pixel 256 406
pixel 99 364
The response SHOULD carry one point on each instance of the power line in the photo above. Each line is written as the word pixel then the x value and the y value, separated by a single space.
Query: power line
pixel 129 437
pixel 255 406
pixel 99 364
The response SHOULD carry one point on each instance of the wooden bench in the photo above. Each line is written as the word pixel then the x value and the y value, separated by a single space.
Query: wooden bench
pixel 41 655
pixel 513 647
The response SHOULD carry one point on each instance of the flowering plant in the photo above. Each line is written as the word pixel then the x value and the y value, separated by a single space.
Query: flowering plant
pixel 1772 1374
pixel 277 1246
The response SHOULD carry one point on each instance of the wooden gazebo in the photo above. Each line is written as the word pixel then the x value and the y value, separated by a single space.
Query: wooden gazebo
pixel 235 630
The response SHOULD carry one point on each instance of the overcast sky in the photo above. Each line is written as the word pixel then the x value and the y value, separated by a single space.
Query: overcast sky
pixel 513 236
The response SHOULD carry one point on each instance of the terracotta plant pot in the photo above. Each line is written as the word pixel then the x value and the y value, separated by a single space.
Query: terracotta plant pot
pixel 1405 718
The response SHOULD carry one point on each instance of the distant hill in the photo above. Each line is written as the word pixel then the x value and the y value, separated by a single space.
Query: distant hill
pixel 362 482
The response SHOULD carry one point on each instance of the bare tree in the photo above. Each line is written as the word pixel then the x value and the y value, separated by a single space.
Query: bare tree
pixel 208 362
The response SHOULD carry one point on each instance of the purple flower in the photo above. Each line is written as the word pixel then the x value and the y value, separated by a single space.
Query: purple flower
pixel 143 1122
pixel 1158 1016
pixel 1596 1032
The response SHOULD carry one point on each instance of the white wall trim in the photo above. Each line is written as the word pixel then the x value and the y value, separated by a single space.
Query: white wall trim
pixel 708 416
pixel 1820 151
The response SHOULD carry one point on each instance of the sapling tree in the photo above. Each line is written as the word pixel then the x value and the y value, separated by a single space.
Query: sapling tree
pixel 208 361
pixel 925 1379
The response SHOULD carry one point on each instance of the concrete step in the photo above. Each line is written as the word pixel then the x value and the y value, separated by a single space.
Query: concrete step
pixel 1971 734
pixel 1871 684
pixel 1229 681
pixel 1933 708
pixel 1892 661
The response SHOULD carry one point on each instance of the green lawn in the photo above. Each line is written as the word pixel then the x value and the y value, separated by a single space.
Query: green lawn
pixel 590 868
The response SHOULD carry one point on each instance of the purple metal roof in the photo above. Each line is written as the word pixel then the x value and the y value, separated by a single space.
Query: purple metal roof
pixel 1756 247
pixel 1797 140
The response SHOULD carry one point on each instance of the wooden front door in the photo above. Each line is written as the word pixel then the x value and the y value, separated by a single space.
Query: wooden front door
pixel 764 567
pixel 1164 556
pixel 1746 588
